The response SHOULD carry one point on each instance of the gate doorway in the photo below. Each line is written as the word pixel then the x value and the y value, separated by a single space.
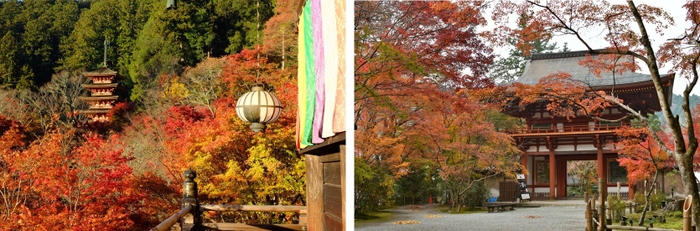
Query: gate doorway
pixel 581 176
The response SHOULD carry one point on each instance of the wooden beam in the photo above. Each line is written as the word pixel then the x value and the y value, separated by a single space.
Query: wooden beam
pixel 329 145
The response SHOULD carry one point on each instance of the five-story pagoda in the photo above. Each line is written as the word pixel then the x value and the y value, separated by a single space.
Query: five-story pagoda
pixel 101 98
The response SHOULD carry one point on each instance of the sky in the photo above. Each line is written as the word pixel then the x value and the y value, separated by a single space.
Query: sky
pixel 673 7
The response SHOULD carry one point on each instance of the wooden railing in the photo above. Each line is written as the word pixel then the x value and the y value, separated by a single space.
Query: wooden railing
pixel 266 208
pixel 571 128
pixel 190 216
pixel 174 219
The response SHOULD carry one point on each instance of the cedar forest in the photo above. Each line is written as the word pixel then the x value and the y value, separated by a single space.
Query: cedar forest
pixel 427 109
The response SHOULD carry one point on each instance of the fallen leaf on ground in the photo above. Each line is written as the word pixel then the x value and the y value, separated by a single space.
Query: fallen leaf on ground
pixel 409 222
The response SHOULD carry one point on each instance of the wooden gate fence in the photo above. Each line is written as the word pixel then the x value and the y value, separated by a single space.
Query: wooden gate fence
pixel 596 220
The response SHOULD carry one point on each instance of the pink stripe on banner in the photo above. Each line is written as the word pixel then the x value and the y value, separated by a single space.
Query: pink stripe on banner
pixel 318 57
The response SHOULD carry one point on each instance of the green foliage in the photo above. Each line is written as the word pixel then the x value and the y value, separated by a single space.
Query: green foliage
pixel 656 199
pixel 145 40
pixel 509 68
pixel 639 201
pixel 676 102
pixel 374 187
pixel 30 35
pixel 675 214
pixel 372 217
pixel 617 207
pixel 503 122
pixel 419 184
pixel 476 195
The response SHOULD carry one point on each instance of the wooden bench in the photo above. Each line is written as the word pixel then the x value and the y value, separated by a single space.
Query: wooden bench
pixel 499 206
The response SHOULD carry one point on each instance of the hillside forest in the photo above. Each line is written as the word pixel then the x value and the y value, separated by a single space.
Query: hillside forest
pixel 181 71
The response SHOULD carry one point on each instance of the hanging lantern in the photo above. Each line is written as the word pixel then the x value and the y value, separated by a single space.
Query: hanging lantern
pixel 170 4
pixel 258 107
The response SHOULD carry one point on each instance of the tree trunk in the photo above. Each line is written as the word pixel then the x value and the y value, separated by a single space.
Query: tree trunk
pixel 690 184
pixel 459 203
pixel 646 198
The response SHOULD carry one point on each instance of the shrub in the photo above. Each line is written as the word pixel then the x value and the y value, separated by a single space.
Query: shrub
pixel 656 199
pixel 639 202
pixel 476 195
pixel 617 208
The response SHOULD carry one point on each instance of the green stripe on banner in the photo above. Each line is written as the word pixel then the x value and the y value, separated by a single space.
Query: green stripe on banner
pixel 310 92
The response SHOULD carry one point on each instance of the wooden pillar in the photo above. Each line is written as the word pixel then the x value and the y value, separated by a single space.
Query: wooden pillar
pixel 601 168
pixel 589 216
pixel 551 145
pixel 343 184
pixel 552 175
pixel 314 192
pixel 523 161
pixel 603 190
pixel 190 197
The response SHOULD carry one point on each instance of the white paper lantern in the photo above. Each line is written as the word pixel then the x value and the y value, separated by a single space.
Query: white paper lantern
pixel 258 107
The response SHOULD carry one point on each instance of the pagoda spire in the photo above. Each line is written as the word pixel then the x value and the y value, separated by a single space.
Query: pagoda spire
pixel 106 43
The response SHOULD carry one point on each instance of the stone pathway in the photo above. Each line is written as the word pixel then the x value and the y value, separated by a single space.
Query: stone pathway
pixel 426 217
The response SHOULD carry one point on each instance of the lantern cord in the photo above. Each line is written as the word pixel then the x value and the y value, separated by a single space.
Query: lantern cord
pixel 257 38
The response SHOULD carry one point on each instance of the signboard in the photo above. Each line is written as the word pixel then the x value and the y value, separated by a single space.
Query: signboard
pixel 524 194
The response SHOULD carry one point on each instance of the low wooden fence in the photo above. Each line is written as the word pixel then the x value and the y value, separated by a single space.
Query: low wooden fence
pixel 596 220
pixel 189 218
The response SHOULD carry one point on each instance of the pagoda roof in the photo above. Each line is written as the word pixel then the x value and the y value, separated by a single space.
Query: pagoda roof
pixel 542 65
pixel 104 85
pixel 102 71
pixel 93 98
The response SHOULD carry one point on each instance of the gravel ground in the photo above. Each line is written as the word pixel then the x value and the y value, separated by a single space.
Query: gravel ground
pixel 540 218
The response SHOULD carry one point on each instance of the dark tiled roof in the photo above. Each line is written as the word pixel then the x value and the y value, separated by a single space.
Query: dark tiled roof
pixel 542 65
